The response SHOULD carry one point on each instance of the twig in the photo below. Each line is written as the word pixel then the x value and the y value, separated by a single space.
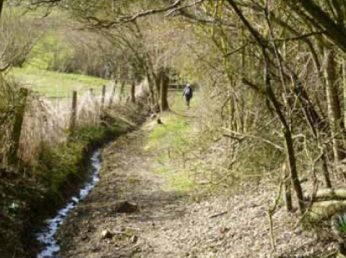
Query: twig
pixel 250 136
pixel 218 214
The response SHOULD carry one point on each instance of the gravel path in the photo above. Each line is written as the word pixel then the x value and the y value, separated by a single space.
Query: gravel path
pixel 169 224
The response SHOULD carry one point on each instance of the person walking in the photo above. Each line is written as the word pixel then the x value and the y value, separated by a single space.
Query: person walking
pixel 187 94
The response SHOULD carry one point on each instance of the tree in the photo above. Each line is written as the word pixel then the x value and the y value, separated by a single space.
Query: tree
pixel 334 30
pixel 1 6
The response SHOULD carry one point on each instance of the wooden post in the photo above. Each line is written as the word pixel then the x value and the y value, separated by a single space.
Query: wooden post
pixel 91 91
pixel 121 93
pixel 73 112
pixel 17 127
pixel 344 87
pixel 103 97
pixel 133 92
pixel 112 94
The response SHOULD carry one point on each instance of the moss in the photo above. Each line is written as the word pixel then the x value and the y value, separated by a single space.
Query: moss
pixel 62 167
pixel 59 163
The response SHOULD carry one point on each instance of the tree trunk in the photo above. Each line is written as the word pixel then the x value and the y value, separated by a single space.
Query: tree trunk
pixel 164 80
pixel 287 188
pixel 325 209
pixel 151 83
pixel 333 104
pixel 290 153
pixel 293 169
pixel 327 194
pixel 344 87
pixel 335 32
pixel 1 6
pixel 17 127
pixel 325 170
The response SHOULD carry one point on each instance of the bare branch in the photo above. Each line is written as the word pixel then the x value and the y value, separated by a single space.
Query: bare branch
pixel 152 11
pixel 44 2
pixel 183 7
pixel 4 68
pixel 241 136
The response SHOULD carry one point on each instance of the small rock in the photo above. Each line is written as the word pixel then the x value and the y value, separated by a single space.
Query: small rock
pixel 126 207
pixel 134 239
pixel 224 230
pixel 106 234
pixel 96 249
pixel 158 120
pixel 84 238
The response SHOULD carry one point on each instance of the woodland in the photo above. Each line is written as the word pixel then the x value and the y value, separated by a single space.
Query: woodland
pixel 268 112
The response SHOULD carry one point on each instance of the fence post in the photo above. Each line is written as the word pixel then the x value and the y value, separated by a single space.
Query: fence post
pixel 73 118
pixel 112 94
pixel 17 127
pixel 103 97
pixel 121 93
pixel 133 91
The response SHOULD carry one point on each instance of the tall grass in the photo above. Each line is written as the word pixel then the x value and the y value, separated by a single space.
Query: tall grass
pixel 47 121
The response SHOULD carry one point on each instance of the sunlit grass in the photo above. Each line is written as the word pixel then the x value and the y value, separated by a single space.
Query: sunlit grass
pixel 170 141
pixel 54 84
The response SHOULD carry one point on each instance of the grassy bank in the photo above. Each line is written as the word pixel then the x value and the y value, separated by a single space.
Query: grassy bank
pixel 57 175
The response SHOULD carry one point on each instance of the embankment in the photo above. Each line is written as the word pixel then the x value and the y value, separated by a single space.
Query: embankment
pixel 56 177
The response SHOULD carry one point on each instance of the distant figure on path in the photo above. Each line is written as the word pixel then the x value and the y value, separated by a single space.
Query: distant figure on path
pixel 187 94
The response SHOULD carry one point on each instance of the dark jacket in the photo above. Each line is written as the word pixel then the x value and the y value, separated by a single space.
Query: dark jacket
pixel 187 92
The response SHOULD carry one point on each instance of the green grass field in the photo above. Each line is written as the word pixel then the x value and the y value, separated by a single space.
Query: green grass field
pixel 54 84
pixel 35 73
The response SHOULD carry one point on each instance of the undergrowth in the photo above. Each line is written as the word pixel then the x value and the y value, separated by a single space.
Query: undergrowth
pixel 36 192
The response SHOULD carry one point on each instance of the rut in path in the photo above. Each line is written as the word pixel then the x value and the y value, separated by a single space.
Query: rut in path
pixel 169 224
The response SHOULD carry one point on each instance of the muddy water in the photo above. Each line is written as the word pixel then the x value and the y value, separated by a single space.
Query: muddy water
pixel 47 236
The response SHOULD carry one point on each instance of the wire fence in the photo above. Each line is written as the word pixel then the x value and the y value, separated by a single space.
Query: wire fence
pixel 50 120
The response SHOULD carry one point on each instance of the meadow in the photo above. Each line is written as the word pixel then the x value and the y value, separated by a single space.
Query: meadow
pixel 39 74
pixel 54 84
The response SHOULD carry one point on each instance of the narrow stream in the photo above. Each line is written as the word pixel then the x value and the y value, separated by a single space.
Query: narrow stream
pixel 47 236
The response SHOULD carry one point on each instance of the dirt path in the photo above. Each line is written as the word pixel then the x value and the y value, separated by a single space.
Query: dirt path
pixel 126 175
pixel 169 224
